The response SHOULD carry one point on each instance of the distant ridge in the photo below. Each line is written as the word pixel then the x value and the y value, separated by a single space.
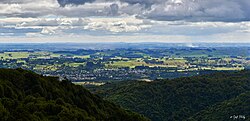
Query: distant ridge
pixel 114 45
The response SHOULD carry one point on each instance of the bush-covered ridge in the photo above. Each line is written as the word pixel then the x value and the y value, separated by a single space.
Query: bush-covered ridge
pixel 182 98
pixel 27 96
pixel 236 109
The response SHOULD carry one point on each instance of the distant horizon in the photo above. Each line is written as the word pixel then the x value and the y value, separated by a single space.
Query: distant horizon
pixel 125 42
pixel 113 45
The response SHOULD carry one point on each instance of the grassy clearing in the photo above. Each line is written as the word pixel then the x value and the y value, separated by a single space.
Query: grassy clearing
pixel 76 64
pixel 228 68
pixel 134 63
pixel 223 68
pixel 14 55
pixel 175 62
pixel 130 64
pixel 83 57
pixel 46 67
pixel 41 55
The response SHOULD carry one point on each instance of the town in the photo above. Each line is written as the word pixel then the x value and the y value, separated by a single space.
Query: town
pixel 100 66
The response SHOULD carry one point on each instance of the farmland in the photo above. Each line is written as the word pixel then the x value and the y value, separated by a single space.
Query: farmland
pixel 93 65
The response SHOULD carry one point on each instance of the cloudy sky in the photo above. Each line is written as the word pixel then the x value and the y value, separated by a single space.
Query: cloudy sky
pixel 125 21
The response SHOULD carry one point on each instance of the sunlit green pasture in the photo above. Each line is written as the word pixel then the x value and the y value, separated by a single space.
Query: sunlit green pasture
pixel 41 55
pixel 130 64
pixel 140 62
pixel 76 64
pixel 83 57
pixel 46 67
pixel 14 55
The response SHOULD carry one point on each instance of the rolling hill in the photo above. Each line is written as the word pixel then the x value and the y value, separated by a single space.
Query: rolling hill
pixel 205 97
pixel 26 96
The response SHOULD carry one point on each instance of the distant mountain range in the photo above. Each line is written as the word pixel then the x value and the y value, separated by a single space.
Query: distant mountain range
pixel 101 46
pixel 26 96
pixel 220 96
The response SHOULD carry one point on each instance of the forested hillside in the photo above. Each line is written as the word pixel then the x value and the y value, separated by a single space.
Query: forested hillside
pixel 215 96
pixel 238 108
pixel 26 96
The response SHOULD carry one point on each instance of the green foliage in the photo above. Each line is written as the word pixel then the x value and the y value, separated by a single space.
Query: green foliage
pixel 238 106
pixel 182 98
pixel 26 96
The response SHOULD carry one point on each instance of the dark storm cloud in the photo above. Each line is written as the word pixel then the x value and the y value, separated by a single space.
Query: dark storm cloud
pixel 146 3
pixel 202 10
pixel 162 10
pixel 114 8
pixel 73 2
pixel 172 10
pixel 193 10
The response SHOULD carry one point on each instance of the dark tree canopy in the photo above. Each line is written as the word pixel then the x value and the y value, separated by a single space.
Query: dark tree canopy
pixel 206 97
pixel 27 96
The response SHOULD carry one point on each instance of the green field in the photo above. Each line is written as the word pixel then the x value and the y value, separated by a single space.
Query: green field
pixel 14 55
pixel 130 64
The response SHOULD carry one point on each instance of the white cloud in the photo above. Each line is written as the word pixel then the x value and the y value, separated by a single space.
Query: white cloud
pixel 28 8
pixel 124 24
pixel 189 10
pixel 60 26
pixel 161 19
pixel 48 31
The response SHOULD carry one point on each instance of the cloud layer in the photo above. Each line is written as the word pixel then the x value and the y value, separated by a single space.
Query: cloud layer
pixel 161 19
pixel 73 2
pixel 164 10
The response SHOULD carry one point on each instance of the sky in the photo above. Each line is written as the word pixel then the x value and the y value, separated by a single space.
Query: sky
pixel 87 21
